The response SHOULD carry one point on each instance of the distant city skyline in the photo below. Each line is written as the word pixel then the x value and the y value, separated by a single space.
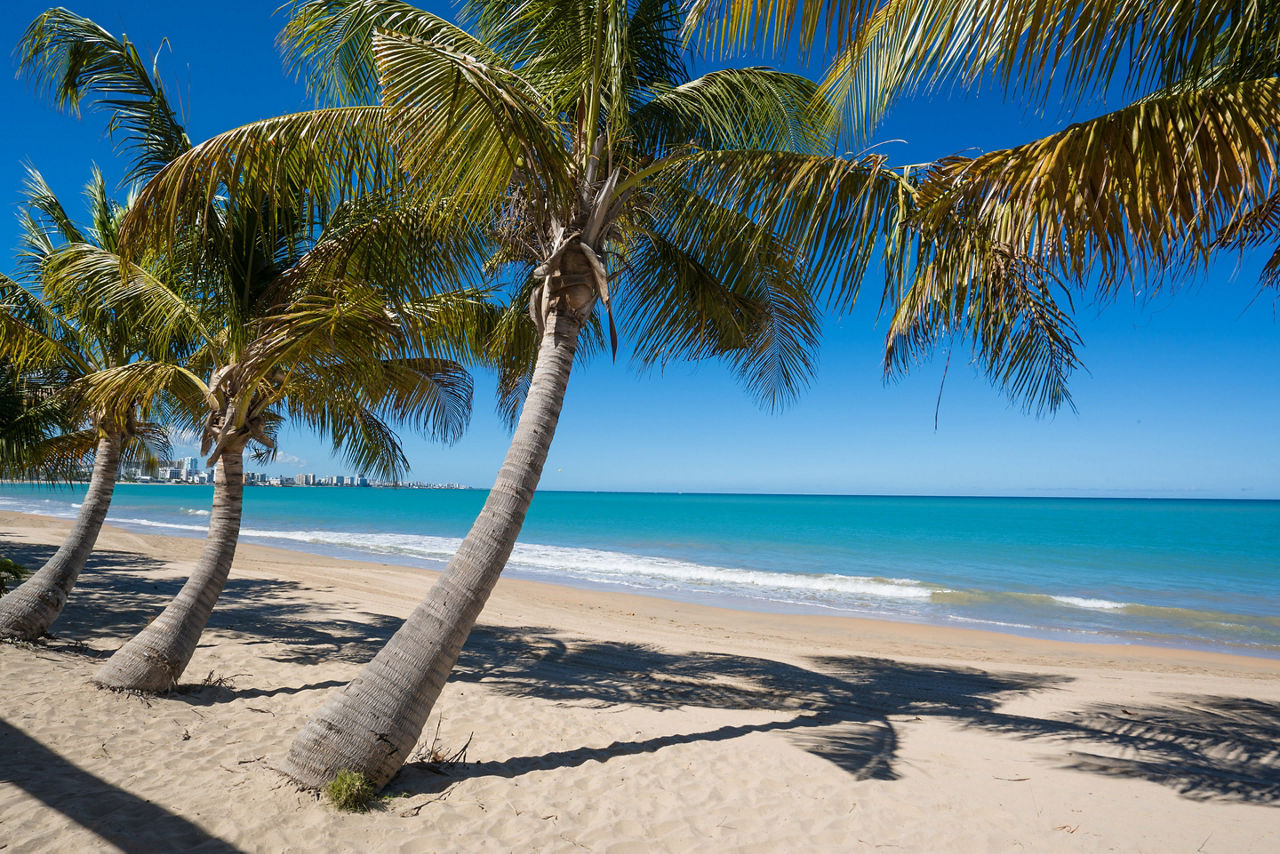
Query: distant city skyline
pixel 188 470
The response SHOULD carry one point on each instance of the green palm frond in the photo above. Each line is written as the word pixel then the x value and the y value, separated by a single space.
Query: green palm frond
pixel 832 211
pixel 745 302
pixel 35 337
pixel 890 47
pixel 146 446
pixel 728 25
pixel 1129 193
pixel 33 422
pixel 1038 47
pixel 144 308
pixel 736 108
pixel 972 283
pixel 116 391
pixel 47 218
pixel 104 212
pixel 328 43
pixel 320 157
pixel 70 58
pixel 388 241
pixel 440 99
pixel 513 348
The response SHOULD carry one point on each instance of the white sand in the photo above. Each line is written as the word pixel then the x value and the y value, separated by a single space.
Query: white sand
pixel 605 722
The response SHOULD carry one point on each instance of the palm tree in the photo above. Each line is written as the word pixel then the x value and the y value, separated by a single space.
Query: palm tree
pixel 58 338
pixel 311 312
pixel 284 333
pixel 1130 198
pixel 609 183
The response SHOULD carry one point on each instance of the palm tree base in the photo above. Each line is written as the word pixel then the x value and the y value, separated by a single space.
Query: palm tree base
pixel 28 612
pixel 133 668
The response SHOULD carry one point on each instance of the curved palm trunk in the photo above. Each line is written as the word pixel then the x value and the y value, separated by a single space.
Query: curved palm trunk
pixel 374 722
pixel 29 611
pixel 156 656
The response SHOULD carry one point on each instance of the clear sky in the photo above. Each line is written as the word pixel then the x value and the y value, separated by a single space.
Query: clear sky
pixel 1181 397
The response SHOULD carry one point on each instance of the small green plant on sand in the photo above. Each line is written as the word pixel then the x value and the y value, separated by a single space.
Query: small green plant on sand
pixel 10 573
pixel 350 791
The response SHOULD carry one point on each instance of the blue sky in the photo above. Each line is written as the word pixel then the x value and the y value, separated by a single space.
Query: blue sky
pixel 1181 397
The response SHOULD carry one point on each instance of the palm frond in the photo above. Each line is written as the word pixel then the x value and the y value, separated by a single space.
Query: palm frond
pixel 728 25
pixel 320 157
pixel 745 301
pixel 832 211
pixel 143 311
pixel 328 43
pixel 115 392
pixel 889 47
pixel 34 424
pixel 973 283
pixel 48 218
pixel 1128 194
pixel 736 108
pixel 440 99
pixel 70 58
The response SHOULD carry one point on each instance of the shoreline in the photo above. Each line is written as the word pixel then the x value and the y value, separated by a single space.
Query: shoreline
pixel 930 640
pixel 692 595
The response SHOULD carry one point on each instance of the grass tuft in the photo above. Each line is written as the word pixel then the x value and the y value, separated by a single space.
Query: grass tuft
pixel 10 573
pixel 350 791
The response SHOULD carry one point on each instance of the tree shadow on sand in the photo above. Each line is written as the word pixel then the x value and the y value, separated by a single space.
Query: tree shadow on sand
pixel 117 596
pixel 1206 747
pixel 118 593
pixel 839 710
pixel 115 815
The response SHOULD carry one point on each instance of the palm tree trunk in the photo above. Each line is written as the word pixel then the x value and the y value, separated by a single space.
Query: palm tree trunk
pixel 29 611
pixel 374 722
pixel 156 656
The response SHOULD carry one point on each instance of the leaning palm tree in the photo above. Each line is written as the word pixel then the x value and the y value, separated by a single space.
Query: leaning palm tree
pixel 287 330
pixel 69 58
pixel 62 338
pixel 1122 200
pixel 311 313
pixel 610 185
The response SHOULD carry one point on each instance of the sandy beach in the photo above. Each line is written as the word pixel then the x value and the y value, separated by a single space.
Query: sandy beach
pixel 606 722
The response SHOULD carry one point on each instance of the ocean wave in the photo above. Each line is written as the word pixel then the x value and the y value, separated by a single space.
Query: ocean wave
pixel 39 507
pixel 192 511
pixel 1094 604
pixel 149 523
pixel 631 570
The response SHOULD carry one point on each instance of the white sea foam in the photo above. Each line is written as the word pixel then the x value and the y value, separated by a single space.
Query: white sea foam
pixel 192 511
pixel 153 524
pixel 39 506
pixel 1095 604
pixel 632 570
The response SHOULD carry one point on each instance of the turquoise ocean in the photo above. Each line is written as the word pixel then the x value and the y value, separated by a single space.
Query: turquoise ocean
pixel 1198 574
